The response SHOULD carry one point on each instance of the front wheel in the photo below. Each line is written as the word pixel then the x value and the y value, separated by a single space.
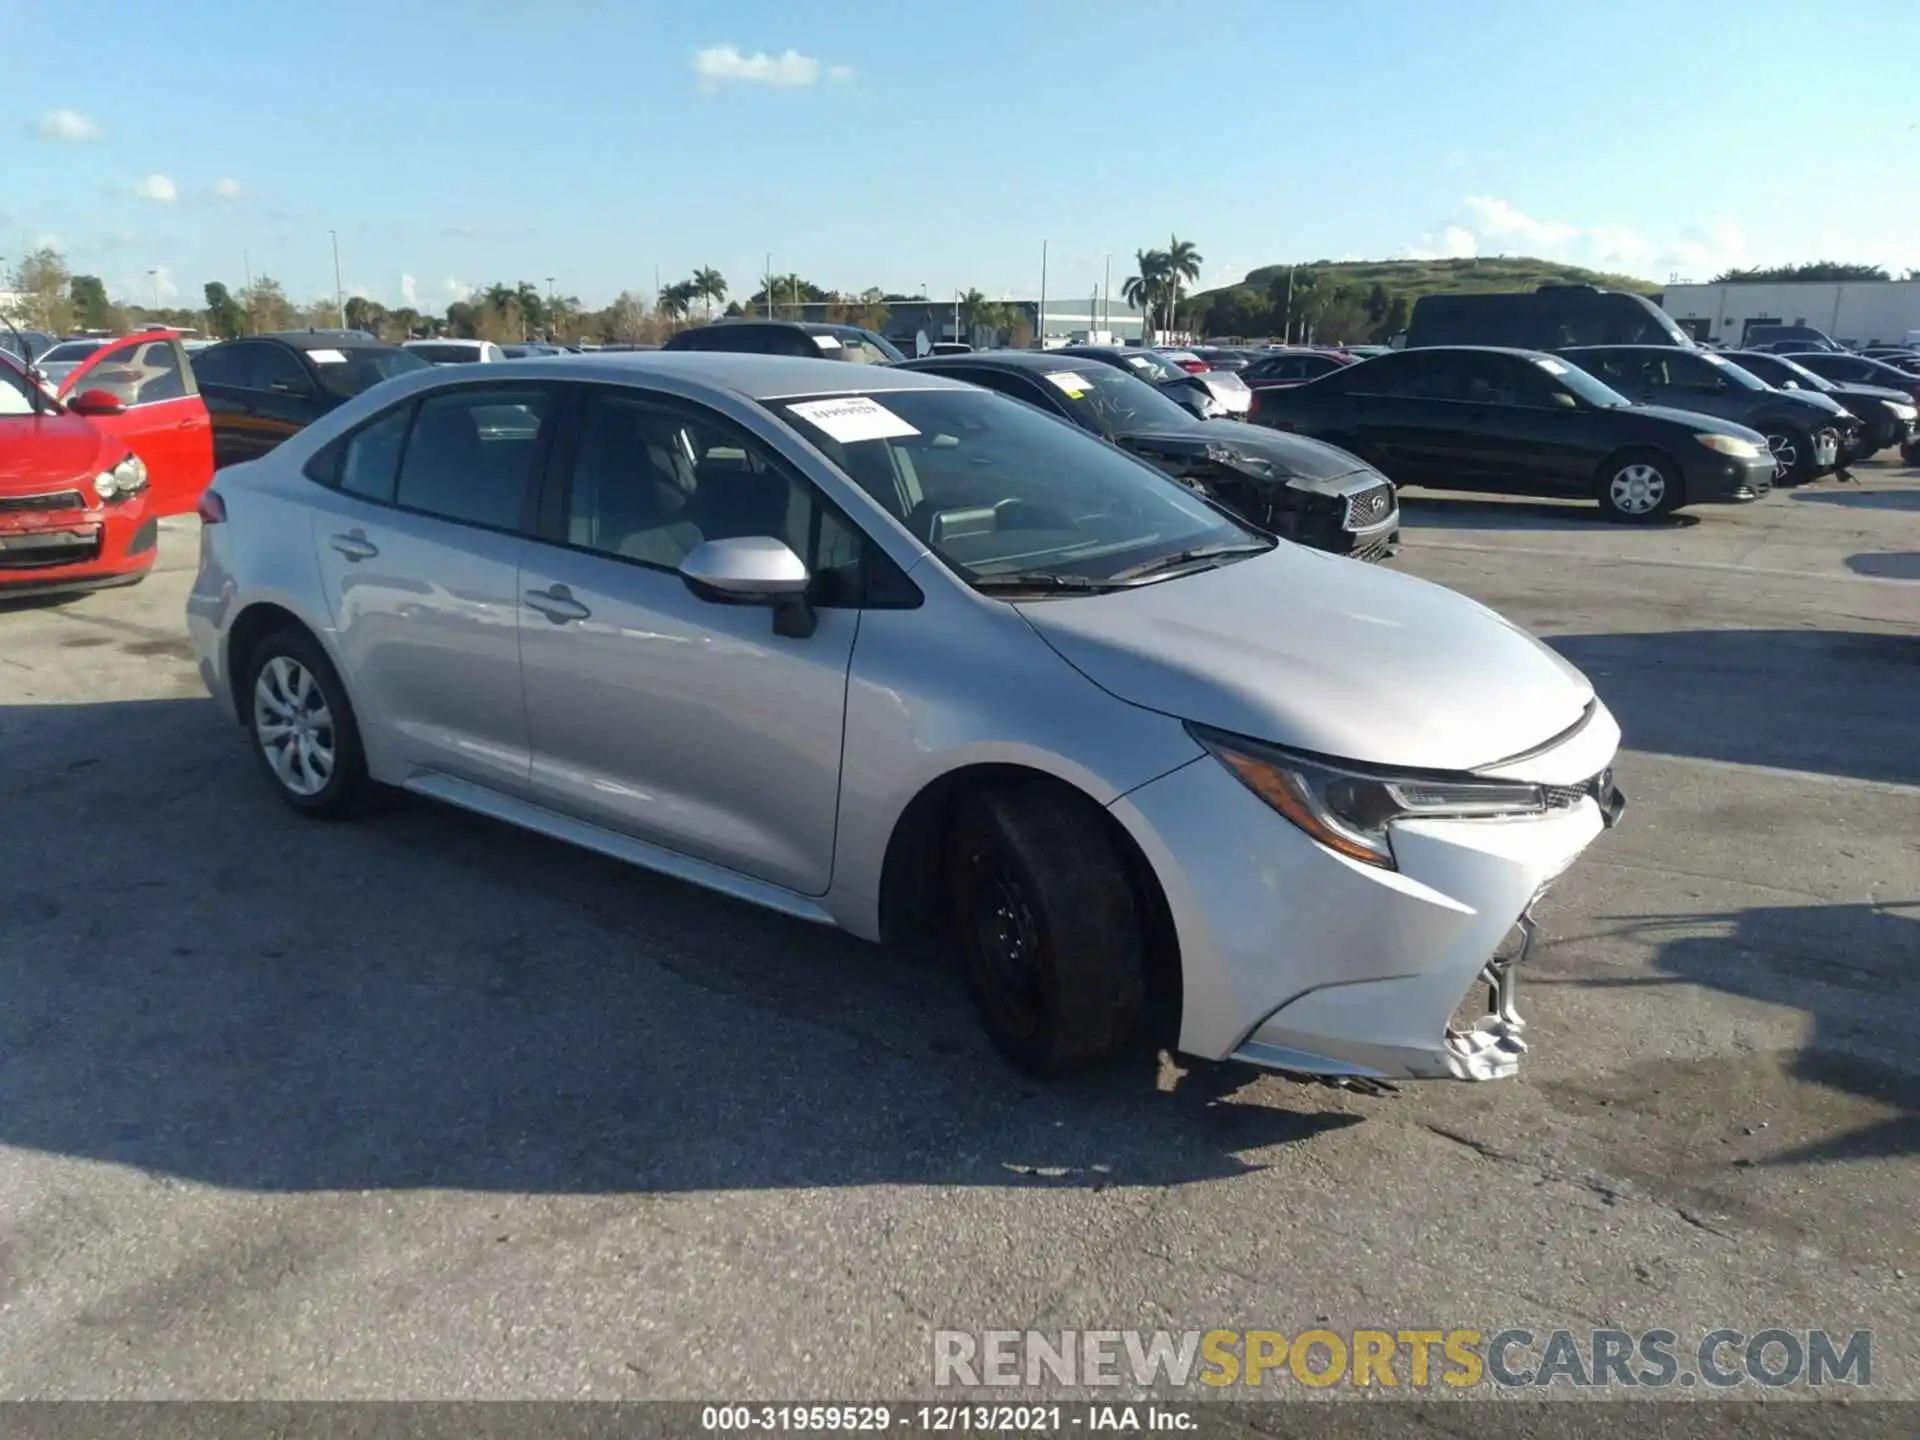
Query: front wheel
pixel 1793 454
pixel 1638 489
pixel 1050 929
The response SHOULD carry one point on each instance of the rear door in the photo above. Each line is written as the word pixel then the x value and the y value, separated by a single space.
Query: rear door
pixel 257 393
pixel 419 535
pixel 164 421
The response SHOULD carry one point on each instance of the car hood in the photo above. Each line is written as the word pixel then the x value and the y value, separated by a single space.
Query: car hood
pixel 44 450
pixel 1850 391
pixel 1317 653
pixel 1697 420
pixel 1255 451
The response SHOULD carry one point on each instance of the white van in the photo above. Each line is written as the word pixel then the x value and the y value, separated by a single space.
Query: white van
pixel 456 352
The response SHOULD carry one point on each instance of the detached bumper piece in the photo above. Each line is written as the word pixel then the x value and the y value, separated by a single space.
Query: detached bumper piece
pixel 1490 1049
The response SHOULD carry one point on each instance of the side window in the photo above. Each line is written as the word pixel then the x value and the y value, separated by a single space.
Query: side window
pixel 1015 386
pixel 651 481
pixel 1620 371
pixel 1687 372
pixel 370 459
pixel 472 454
pixel 274 367
pixel 142 372
pixel 230 364
pixel 1409 372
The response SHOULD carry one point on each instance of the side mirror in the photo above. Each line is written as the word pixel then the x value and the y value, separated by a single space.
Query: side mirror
pixel 753 570
pixel 97 402
pixel 1563 401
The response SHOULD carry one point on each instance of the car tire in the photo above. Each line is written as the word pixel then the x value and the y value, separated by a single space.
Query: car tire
pixel 302 726
pixel 1793 452
pixel 1050 928
pixel 1910 452
pixel 1639 487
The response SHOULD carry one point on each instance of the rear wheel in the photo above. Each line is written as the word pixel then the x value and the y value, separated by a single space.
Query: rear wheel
pixel 302 726
pixel 1637 488
pixel 1050 928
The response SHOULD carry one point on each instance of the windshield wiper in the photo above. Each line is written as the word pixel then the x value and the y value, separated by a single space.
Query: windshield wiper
pixel 1187 557
pixel 1041 580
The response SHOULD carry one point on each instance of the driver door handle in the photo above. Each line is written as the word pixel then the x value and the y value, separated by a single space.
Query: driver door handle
pixel 557 604
pixel 354 545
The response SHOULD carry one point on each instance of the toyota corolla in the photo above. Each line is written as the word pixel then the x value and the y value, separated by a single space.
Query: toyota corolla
pixel 883 651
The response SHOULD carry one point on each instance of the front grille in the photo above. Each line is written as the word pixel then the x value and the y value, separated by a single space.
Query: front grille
pixel 1565 797
pixel 39 549
pixel 52 500
pixel 1369 507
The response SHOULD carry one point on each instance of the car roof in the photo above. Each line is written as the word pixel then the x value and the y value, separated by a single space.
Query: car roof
pixel 448 340
pixel 750 376
pixel 1041 361
pixel 318 339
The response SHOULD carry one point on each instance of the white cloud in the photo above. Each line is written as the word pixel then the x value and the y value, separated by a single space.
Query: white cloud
pixel 409 292
pixel 456 289
pixel 1483 225
pixel 157 187
pixel 47 240
pixel 67 125
pixel 1498 220
pixel 229 189
pixel 719 65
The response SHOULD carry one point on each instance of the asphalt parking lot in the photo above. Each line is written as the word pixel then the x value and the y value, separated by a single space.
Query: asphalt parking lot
pixel 425 1107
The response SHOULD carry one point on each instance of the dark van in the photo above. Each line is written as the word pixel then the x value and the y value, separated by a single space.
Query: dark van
pixel 1550 318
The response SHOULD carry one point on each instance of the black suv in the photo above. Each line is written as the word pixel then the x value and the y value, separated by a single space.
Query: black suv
pixel 789 337
pixel 1886 415
pixel 264 388
pixel 1804 429
pixel 1474 418
pixel 1549 318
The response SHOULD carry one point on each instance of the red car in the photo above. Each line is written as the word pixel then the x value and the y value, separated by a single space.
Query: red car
pixel 141 390
pixel 74 512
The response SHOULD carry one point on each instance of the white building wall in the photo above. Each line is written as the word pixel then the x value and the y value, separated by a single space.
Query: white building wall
pixel 1856 311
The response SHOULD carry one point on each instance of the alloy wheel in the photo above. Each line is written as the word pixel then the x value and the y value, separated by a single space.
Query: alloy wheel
pixel 294 725
pixel 1786 454
pixel 1637 489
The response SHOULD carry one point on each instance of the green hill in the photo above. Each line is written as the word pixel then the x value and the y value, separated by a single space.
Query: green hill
pixel 1348 301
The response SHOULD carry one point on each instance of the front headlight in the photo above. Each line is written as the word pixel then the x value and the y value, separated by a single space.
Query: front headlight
pixel 1902 412
pixel 127 478
pixel 1349 810
pixel 1731 445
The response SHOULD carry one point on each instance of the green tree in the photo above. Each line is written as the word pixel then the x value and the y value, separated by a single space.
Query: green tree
pixel 711 286
pixel 266 306
pixel 462 318
pixel 676 300
pixel 1829 270
pixel 1183 265
pixel 404 322
pixel 92 310
pixel 1399 313
pixel 225 318
pixel 365 314
pixel 1146 288
pixel 624 322
pixel 42 282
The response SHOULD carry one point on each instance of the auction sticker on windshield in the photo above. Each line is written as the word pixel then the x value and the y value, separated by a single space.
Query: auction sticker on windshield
pixel 827 342
pixel 326 357
pixel 1074 383
pixel 853 418
pixel 1552 367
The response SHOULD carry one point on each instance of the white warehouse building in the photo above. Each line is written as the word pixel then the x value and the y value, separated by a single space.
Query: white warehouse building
pixel 1854 312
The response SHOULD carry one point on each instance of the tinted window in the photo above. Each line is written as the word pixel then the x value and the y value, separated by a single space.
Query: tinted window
pixel 652 480
pixel 223 364
pixel 140 373
pixel 348 370
pixel 273 365
pixel 471 454
pixel 70 351
pixel 448 354
pixel 370 459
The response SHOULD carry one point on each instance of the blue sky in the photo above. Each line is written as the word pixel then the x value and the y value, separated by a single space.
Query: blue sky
pixel 922 142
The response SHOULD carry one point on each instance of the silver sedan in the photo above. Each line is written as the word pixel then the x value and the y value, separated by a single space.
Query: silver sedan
pixel 885 651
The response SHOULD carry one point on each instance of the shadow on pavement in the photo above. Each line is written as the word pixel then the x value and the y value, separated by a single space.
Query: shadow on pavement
pixel 1447 511
pixel 1863 499
pixel 1832 702
pixel 1891 565
pixel 202 984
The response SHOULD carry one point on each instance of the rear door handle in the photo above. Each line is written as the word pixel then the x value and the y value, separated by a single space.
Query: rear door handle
pixel 557 604
pixel 354 546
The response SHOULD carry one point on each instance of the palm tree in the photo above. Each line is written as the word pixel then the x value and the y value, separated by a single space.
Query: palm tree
pixel 1183 264
pixel 676 300
pixel 973 311
pixel 709 285
pixel 1147 287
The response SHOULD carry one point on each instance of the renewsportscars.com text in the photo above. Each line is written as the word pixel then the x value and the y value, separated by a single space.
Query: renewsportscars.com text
pixel 1412 1359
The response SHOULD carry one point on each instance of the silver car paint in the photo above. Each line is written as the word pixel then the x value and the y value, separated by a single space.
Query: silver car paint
pixel 1296 648
pixel 1343 652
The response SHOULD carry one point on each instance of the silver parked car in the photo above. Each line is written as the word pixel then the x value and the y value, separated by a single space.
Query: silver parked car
pixel 882 650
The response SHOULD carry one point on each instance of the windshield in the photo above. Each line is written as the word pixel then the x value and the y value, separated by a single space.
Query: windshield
pixel 1594 392
pixel 347 370
pixel 1151 366
pixel 452 354
pixel 1114 402
pixel 71 350
pixel 1738 378
pixel 994 487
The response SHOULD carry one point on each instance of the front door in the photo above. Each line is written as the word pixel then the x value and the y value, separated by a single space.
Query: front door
pixel 673 719
pixel 164 422
pixel 419 541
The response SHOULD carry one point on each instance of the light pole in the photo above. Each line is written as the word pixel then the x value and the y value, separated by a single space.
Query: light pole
pixel 769 285
pixel 339 291
pixel 956 317
pixel 549 308
pixel 1041 326
pixel 1106 291
pixel 154 275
